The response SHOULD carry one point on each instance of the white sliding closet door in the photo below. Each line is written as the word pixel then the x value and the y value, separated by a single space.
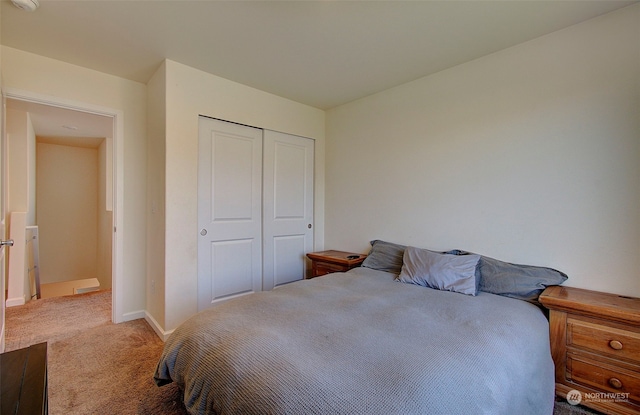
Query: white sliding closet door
pixel 287 207
pixel 229 211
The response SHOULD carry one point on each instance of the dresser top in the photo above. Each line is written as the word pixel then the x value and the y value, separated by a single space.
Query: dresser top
pixel 592 303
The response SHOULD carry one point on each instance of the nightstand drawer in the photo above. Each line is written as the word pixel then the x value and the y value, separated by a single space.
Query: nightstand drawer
pixel 324 268
pixel 602 376
pixel 610 341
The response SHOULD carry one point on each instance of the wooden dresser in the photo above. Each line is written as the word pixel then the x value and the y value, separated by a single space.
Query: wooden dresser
pixel 23 381
pixel 326 262
pixel 595 344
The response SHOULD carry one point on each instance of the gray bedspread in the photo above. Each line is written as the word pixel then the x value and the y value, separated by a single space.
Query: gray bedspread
pixel 362 343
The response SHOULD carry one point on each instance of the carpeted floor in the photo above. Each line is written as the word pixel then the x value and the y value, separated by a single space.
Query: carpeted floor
pixel 97 367
pixel 94 366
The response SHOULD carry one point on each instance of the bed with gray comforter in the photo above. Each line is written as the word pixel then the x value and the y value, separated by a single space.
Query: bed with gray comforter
pixel 362 343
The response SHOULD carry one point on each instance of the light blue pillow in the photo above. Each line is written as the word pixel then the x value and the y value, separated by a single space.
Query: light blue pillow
pixel 524 282
pixel 440 271
pixel 384 256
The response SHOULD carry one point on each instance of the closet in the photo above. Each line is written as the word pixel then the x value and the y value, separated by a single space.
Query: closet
pixel 255 209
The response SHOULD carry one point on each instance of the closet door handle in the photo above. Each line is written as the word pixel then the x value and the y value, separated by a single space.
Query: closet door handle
pixel 8 242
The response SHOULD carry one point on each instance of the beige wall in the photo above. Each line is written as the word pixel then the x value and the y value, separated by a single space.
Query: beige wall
pixel 48 77
pixel 21 164
pixel 20 192
pixel 190 93
pixel 156 159
pixel 104 231
pixel 530 155
pixel 67 216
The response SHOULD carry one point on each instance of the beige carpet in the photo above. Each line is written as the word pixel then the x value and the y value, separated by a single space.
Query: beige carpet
pixel 96 367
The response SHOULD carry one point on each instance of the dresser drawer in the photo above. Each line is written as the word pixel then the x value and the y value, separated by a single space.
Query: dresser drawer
pixel 605 340
pixel 603 376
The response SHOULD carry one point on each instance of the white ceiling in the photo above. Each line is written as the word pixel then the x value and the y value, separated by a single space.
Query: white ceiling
pixel 321 53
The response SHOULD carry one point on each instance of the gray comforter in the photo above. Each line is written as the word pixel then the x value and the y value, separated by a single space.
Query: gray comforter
pixel 362 343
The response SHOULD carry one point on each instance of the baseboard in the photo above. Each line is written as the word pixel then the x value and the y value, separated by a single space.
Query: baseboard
pixel 134 315
pixel 164 335
pixel 12 302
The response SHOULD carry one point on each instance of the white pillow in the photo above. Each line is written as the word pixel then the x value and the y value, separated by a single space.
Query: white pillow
pixel 443 272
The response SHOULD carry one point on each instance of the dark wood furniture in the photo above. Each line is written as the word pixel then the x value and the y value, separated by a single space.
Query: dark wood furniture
pixel 595 344
pixel 23 381
pixel 326 262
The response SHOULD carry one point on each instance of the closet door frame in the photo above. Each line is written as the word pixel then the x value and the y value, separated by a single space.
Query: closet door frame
pixel 255 209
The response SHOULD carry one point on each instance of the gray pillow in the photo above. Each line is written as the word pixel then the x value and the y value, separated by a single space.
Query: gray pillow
pixel 524 282
pixel 384 256
pixel 439 271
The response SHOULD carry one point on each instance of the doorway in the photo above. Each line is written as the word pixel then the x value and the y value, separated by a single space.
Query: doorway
pixel 73 219
pixel 74 128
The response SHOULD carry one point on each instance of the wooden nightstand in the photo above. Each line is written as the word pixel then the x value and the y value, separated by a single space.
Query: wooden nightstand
pixel 595 345
pixel 326 262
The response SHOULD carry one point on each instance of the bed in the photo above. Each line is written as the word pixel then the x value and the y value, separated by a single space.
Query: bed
pixel 362 342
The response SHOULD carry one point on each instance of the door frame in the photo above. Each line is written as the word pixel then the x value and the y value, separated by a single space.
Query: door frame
pixel 117 162
pixel 3 214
